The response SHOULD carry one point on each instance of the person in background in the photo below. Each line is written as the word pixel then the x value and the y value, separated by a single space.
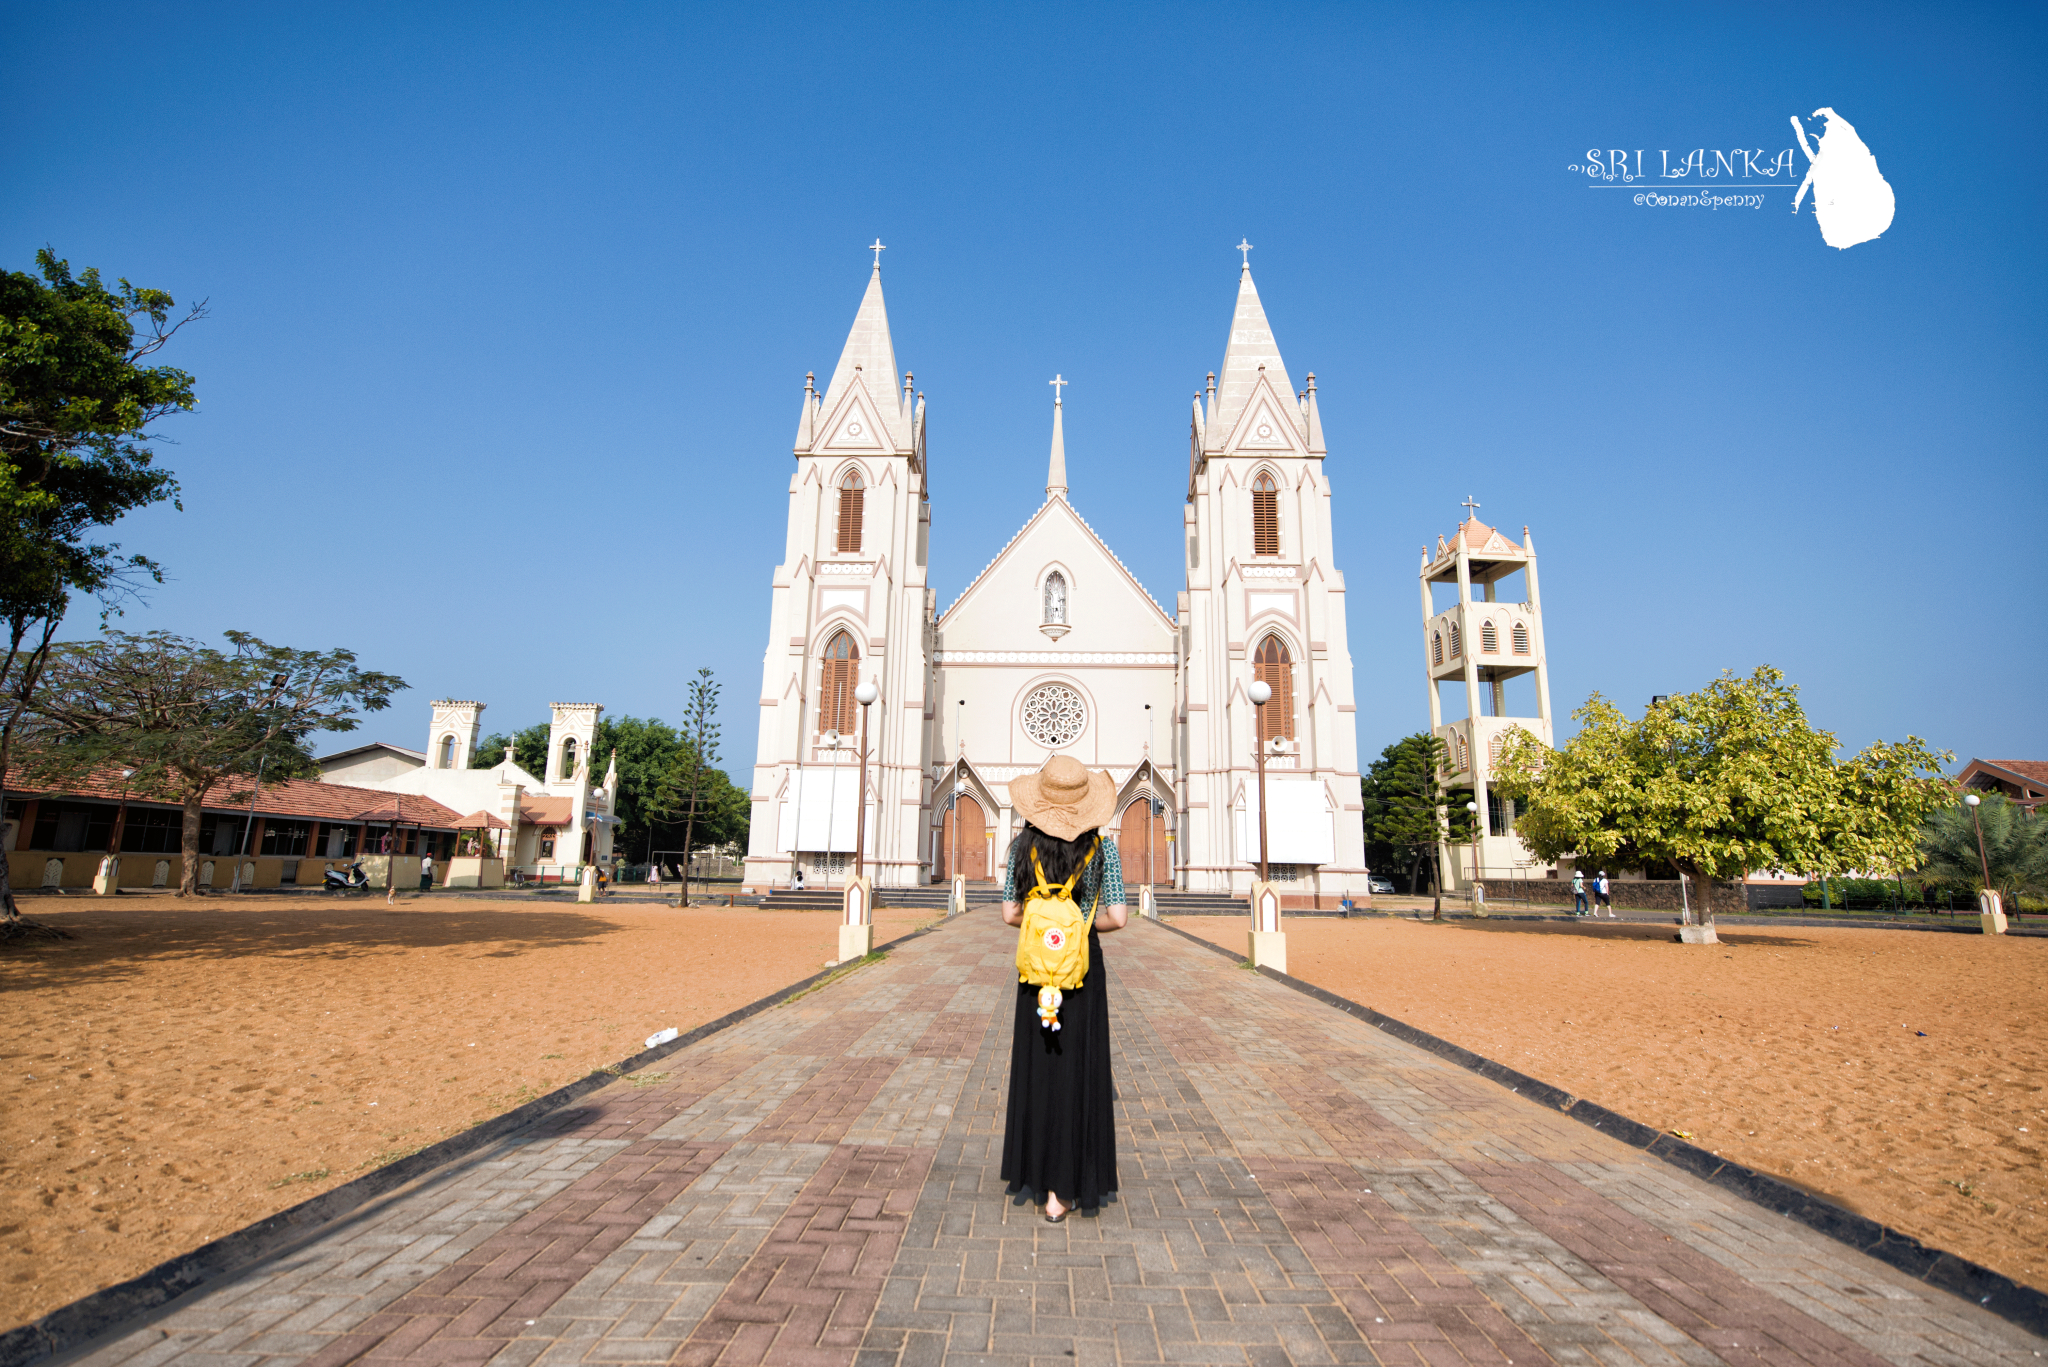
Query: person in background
pixel 426 873
pixel 1578 892
pixel 1602 897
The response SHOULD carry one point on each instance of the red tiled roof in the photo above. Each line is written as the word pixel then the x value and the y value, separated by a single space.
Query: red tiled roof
pixel 292 797
pixel 481 820
pixel 2034 769
pixel 547 811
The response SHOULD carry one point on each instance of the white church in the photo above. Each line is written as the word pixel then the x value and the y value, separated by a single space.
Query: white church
pixel 1056 647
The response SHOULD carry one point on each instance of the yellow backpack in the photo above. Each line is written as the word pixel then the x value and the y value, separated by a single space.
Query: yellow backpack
pixel 1052 944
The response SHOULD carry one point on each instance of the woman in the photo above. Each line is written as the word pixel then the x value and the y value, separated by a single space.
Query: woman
pixel 1059 1139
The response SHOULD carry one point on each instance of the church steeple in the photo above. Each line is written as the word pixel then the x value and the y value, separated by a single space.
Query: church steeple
pixel 1250 349
pixel 1056 467
pixel 870 353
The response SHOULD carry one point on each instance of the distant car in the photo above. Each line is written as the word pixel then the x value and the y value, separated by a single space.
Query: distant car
pixel 1380 885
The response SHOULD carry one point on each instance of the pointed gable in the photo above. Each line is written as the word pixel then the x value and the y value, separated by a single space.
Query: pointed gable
pixel 1268 424
pixel 854 425
pixel 1109 608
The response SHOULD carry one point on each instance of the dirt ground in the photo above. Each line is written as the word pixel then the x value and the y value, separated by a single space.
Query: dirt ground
pixel 1899 1072
pixel 181 1070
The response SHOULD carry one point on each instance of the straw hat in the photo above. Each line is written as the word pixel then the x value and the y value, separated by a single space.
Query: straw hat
pixel 1063 799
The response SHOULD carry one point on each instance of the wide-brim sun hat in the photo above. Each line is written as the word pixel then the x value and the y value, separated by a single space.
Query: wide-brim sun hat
pixel 1063 799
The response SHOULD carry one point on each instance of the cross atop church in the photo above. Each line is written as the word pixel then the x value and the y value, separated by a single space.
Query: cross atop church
pixel 1471 508
pixel 1245 247
pixel 877 248
pixel 1057 382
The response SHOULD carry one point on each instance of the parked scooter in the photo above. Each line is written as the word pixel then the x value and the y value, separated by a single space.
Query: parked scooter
pixel 354 880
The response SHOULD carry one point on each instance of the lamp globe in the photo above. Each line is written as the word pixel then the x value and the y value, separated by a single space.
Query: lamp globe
pixel 1260 692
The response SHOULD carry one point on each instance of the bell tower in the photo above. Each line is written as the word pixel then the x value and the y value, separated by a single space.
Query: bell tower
pixel 848 606
pixel 1482 628
pixel 1264 601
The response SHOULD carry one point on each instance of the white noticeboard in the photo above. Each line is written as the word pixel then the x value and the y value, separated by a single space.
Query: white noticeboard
pixel 822 799
pixel 1301 828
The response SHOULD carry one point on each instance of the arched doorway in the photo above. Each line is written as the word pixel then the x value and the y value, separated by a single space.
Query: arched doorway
pixel 1132 845
pixel 973 841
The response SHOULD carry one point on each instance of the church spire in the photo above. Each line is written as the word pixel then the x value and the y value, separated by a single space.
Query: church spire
pixel 1251 348
pixel 868 350
pixel 1056 467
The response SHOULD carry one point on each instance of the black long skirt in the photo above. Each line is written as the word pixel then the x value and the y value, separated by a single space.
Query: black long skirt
pixel 1060 1133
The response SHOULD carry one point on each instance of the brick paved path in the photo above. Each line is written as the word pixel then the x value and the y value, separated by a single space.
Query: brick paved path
pixel 817 1185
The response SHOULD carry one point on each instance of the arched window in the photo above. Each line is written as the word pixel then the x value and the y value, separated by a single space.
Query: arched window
pixel 569 758
pixel 836 707
pixel 1055 599
pixel 1265 515
pixel 1273 666
pixel 1464 758
pixel 850 494
pixel 447 752
pixel 1457 645
pixel 1521 639
pixel 1489 639
pixel 1493 754
pixel 1436 647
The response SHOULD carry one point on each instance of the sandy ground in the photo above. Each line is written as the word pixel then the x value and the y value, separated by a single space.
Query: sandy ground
pixel 1900 1072
pixel 181 1070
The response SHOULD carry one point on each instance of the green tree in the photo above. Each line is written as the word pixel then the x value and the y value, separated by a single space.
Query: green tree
pixel 1720 783
pixel 529 750
pixel 2015 846
pixel 688 787
pixel 188 718
pixel 1409 811
pixel 647 749
pixel 76 400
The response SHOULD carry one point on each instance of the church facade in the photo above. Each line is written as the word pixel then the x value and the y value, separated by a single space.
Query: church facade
pixel 1055 647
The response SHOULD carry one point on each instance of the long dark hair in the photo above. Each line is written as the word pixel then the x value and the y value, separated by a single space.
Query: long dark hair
pixel 1059 858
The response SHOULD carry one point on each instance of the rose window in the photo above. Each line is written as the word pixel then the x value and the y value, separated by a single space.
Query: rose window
pixel 1054 715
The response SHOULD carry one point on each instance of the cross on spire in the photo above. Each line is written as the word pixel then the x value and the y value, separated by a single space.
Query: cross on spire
pixel 877 248
pixel 1246 248
pixel 1057 382
pixel 1471 508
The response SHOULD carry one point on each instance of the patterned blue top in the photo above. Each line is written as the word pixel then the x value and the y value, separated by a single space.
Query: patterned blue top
pixel 1113 876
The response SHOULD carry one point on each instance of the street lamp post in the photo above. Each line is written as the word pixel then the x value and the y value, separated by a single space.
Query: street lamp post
pixel 1261 693
pixel 112 868
pixel 863 695
pixel 1971 801
pixel 1472 811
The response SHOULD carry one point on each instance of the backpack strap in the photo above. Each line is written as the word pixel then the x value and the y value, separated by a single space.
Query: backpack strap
pixel 1067 888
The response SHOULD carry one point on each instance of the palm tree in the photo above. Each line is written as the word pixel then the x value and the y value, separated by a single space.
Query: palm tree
pixel 2015 847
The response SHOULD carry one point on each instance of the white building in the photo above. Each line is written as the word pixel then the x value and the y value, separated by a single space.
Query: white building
pixel 1056 646
pixel 562 819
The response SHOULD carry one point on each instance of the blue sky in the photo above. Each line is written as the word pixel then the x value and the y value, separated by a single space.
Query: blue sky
pixel 512 305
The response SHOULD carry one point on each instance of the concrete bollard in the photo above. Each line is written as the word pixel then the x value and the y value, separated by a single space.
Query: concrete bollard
pixel 107 882
pixel 586 889
pixel 1268 943
pixel 958 901
pixel 857 921
pixel 1146 906
pixel 1991 912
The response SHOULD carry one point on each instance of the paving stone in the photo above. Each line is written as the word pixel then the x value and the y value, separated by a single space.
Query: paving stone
pixel 819 1185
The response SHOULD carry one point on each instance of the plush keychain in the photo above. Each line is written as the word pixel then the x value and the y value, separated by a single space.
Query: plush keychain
pixel 1049 1007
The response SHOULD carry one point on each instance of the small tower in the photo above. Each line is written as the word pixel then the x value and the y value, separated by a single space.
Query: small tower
pixel 1484 640
pixel 452 734
pixel 572 731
